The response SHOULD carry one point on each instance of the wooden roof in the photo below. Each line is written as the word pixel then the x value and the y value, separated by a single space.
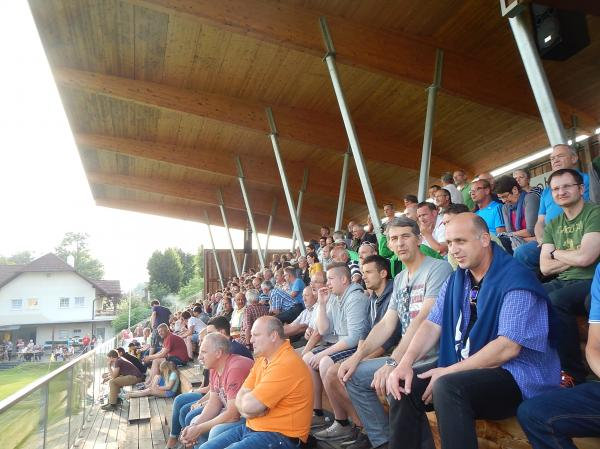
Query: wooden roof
pixel 161 96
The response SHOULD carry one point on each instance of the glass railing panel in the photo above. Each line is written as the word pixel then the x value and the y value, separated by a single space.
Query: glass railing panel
pixel 21 425
pixel 57 428
pixel 77 401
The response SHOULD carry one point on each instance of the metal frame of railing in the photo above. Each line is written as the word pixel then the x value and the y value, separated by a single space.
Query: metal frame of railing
pixel 97 358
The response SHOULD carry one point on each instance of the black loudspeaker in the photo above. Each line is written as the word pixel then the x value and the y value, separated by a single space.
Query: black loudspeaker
pixel 559 34
pixel 248 240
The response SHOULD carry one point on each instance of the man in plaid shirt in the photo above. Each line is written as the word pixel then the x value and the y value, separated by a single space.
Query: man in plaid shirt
pixel 254 310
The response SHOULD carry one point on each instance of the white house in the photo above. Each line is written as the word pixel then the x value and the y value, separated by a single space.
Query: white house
pixel 48 300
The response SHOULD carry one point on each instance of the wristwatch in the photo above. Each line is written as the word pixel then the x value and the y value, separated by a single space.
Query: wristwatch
pixel 552 254
pixel 391 362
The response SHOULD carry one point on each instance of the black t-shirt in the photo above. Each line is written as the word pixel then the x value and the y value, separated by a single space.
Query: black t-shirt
pixel 162 316
pixel 135 361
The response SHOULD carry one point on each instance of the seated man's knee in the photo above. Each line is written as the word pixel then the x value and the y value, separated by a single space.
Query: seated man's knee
pixel 324 364
pixel 306 357
pixel 446 386
pixel 332 373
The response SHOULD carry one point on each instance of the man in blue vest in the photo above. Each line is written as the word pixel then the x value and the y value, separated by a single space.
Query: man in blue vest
pixel 491 321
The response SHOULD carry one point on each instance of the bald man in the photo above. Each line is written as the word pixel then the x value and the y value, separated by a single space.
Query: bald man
pixel 490 322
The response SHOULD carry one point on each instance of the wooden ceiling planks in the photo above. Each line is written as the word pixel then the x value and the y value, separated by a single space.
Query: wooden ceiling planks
pixel 247 58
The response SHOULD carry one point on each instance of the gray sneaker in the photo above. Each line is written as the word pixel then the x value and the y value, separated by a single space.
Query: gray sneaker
pixel 361 442
pixel 334 432
pixel 320 421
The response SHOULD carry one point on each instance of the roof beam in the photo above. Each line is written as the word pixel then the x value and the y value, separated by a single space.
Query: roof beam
pixel 375 50
pixel 321 130
pixel 204 193
pixel 220 161
pixel 236 219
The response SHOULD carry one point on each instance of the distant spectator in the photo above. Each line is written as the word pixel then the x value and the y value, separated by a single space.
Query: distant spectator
pixel 120 374
pixel 448 184
pixel 489 210
pixel 523 177
pixel 460 179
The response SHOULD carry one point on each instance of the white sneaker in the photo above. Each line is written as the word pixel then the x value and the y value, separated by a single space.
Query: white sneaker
pixel 334 432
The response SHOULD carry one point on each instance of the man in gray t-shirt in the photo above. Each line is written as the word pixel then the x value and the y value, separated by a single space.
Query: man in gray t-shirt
pixel 415 291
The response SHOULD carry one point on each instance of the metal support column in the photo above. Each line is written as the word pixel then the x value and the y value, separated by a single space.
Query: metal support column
pixel 212 244
pixel 537 78
pixel 339 216
pixel 249 210
pixel 429 121
pixel 244 262
pixel 284 181
pixel 299 204
pixel 270 225
pixel 350 131
pixel 224 217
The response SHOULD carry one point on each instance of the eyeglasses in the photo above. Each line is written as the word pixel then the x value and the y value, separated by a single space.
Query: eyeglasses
pixel 564 186
pixel 476 189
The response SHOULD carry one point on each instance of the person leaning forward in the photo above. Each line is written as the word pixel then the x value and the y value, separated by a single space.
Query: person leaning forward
pixel 491 320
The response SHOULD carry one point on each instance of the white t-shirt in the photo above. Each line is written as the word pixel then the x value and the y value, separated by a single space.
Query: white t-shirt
pixel 455 195
pixel 197 324
pixel 439 231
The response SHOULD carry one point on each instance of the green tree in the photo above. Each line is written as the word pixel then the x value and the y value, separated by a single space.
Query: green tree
pixel 165 269
pixel 140 310
pixel 188 264
pixel 20 258
pixel 76 244
pixel 199 262
pixel 196 285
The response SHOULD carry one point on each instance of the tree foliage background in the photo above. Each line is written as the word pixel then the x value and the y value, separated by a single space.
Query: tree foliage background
pixel 76 244
pixel 173 271
pixel 20 258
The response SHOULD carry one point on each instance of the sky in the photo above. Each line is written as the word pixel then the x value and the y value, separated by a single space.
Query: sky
pixel 43 189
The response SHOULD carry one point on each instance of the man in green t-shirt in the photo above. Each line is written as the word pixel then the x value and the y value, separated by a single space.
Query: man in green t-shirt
pixel 570 250
pixel 460 179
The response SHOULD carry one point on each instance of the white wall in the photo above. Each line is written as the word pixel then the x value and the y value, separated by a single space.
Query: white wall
pixel 47 288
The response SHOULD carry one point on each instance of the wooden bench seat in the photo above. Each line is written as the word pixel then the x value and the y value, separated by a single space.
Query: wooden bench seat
pixel 139 410
pixel 188 378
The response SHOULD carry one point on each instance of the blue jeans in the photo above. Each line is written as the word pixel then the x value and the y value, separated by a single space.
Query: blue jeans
pixel 552 419
pixel 241 437
pixel 568 301
pixel 181 411
pixel 366 403
pixel 529 255
pixel 218 430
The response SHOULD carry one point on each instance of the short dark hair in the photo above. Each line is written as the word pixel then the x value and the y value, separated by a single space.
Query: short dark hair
pixel 325 227
pixel 447 178
pixel 456 208
pixel 403 222
pixel 186 315
pixel 220 323
pixel 130 345
pixel 112 354
pixel 197 309
pixel 505 184
pixel 381 263
pixel 427 204
pixel 567 171
pixel 435 186
pixel 412 198
pixel 445 192
pixel 155 302
pixel 120 350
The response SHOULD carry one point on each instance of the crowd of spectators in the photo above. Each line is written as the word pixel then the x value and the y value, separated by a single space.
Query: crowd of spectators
pixel 465 304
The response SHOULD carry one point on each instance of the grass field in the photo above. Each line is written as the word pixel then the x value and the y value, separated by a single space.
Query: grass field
pixel 12 380
pixel 20 424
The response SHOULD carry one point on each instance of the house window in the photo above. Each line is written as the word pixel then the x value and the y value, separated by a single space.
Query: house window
pixel 16 304
pixel 63 334
pixel 33 303
pixel 76 331
pixel 79 301
pixel 64 303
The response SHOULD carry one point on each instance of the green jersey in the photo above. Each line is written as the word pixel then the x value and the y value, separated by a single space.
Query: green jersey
pixel 567 234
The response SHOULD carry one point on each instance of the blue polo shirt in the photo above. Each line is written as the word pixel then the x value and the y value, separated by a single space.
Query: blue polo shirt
pixel 298 286
pixel 550 209
pixel 492 215
pixel 595 309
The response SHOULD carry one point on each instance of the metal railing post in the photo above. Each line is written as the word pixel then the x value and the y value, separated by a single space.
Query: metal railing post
pixel 284 181
pixel 244 262
pixel 222 208
pixel 537 78
pixel 212 244
pixel 299 204
pixel 45 393
pixel 69 404
pixel 361 167
pixel 429 121
pixel 249 210
pixel 339 216
pixel 269 226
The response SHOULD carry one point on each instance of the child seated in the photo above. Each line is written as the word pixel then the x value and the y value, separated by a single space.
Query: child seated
pixel 164 385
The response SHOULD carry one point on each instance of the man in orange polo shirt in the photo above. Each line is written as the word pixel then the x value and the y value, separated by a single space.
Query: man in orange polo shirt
pixel 276 398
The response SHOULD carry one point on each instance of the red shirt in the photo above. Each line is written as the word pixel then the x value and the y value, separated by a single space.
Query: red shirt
pixel 176 347
pixel 227 384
